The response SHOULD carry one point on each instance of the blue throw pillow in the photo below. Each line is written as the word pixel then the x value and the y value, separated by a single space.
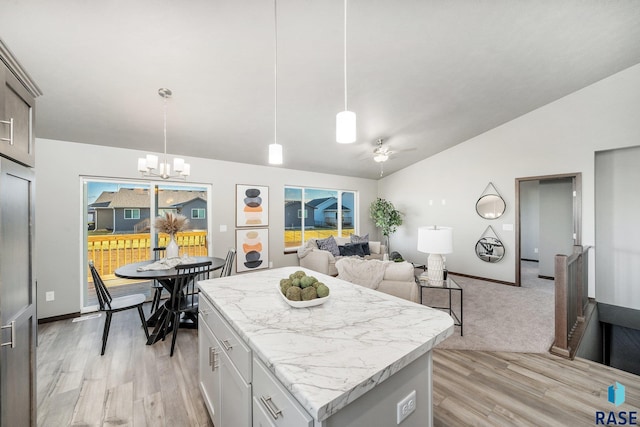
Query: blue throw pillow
pixel 329 244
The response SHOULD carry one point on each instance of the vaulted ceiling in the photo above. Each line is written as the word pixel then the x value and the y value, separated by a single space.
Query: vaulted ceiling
pixel 423 75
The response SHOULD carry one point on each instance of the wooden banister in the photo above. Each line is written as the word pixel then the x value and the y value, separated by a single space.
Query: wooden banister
pixel 571 299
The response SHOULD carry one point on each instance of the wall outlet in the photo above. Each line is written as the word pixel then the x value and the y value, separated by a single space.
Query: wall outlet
pixel 223 228
pixel 50 296
pixel 406 407
pixel 535 250
pixel 270 264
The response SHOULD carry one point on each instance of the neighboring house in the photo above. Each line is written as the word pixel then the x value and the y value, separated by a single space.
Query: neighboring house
pixel 196 212
pixel 128 209
pixel 102 213
pixel 293 215
pixel 326 212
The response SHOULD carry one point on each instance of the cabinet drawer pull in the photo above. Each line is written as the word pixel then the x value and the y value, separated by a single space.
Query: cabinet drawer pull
pixel 271 407
pixel 11 325
pixel 226 345
pixel 210 356
pixel 10 123
pixel 214 361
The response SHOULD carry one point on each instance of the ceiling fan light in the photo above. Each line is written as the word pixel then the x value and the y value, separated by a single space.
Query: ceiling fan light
pixel 275 154
pixel 346 127
pixel 381 157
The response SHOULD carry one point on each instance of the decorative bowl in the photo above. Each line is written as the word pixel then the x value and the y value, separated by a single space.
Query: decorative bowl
pixel 302 304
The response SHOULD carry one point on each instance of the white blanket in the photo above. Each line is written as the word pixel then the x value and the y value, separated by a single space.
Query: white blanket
pixel 167 263
pixel 363 272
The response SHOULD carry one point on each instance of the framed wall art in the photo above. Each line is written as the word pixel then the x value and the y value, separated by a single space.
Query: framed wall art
pixel 252 249
pixel 252 206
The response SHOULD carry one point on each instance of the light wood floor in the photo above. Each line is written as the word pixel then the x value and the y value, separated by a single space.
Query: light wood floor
pixel 139 385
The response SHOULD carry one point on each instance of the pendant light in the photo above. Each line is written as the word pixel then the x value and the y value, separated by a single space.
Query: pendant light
pixel 275 149
pixel 148 166
pixel 345 120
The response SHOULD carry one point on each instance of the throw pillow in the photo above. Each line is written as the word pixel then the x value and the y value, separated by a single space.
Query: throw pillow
pixel 352 249
pixel 365 248
pixel 329 244
pixel 357 239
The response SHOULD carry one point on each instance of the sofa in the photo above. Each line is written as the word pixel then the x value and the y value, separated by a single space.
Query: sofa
pixel 390 277
pixel 323 261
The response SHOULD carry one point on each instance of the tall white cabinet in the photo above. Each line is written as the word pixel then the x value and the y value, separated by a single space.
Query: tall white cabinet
pixel 17 282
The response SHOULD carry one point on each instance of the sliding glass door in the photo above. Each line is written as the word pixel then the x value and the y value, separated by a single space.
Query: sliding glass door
pixel 119 218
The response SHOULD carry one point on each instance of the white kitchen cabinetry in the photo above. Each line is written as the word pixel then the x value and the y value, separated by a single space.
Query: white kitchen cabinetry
pixel 226 391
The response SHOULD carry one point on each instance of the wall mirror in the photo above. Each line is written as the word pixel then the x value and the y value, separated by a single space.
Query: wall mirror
pixel 489 248
pixel 490 205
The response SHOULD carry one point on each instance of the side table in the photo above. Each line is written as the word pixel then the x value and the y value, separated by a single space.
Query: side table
pixel 449 285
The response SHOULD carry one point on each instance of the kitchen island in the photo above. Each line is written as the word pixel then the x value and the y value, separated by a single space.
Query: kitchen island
pixel 347 362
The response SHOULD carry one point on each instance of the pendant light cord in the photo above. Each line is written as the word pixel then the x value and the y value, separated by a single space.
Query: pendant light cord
pixel 275 71
pixel 345 55
pixel 165 131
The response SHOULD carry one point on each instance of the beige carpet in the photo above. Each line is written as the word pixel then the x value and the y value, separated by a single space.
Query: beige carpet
pixel 501 317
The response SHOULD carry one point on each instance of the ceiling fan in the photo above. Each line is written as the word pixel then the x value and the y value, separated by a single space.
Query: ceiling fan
pixel 381 153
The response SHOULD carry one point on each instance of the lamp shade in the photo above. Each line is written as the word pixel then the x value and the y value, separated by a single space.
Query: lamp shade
pixel 346 127
pixel 275 154
pixel 435 240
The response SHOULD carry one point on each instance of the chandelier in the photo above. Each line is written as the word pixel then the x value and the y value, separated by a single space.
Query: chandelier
pixel 148 166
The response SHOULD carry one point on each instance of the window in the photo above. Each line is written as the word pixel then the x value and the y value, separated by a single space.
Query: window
pixel 198 213
pixel 132 214
pixel 317 213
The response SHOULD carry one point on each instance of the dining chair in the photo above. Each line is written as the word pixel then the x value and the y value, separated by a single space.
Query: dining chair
pixel 155 285
pixel 228 263
pixel 112 305
pixel 184 296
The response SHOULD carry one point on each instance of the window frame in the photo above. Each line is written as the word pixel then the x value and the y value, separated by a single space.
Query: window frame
pixel 339 215
pixel 132 210
pixel 203 210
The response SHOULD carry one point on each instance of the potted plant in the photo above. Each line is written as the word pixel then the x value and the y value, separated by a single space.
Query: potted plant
pixel 386 217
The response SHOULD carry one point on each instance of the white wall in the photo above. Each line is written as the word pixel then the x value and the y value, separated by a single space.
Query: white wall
pixel 59 208
pixel 618 227
pixel 530 220
pixel 556 223
pixel 560 137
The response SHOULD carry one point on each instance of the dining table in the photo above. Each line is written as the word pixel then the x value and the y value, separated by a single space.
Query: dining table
pixel 168 279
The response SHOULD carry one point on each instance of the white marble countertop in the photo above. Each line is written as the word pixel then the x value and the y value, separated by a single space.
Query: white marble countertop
pixel 329 355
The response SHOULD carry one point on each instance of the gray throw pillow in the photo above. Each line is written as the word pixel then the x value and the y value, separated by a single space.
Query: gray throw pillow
pixel 329 244
pixel 357 239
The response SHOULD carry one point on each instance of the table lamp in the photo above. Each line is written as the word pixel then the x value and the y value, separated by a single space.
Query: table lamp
pixel 435 241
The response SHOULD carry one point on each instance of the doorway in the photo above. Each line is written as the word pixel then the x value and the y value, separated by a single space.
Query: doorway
pixel 548 222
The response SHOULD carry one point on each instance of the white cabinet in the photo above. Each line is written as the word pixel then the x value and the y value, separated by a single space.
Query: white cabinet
pixel 225 388
pixel 273 406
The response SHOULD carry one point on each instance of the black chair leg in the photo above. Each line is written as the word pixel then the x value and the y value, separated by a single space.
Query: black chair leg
pixel 105 332
pixel 176 326
pixel 144 321
pixel 157 296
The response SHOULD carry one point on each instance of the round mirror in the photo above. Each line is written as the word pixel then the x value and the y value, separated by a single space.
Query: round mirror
pixel 490 206
pixel 489 249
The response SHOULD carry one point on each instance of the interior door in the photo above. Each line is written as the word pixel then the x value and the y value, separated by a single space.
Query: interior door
pixel 17 296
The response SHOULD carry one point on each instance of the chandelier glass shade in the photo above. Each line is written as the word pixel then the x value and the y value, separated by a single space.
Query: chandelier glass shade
pixel 152 166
